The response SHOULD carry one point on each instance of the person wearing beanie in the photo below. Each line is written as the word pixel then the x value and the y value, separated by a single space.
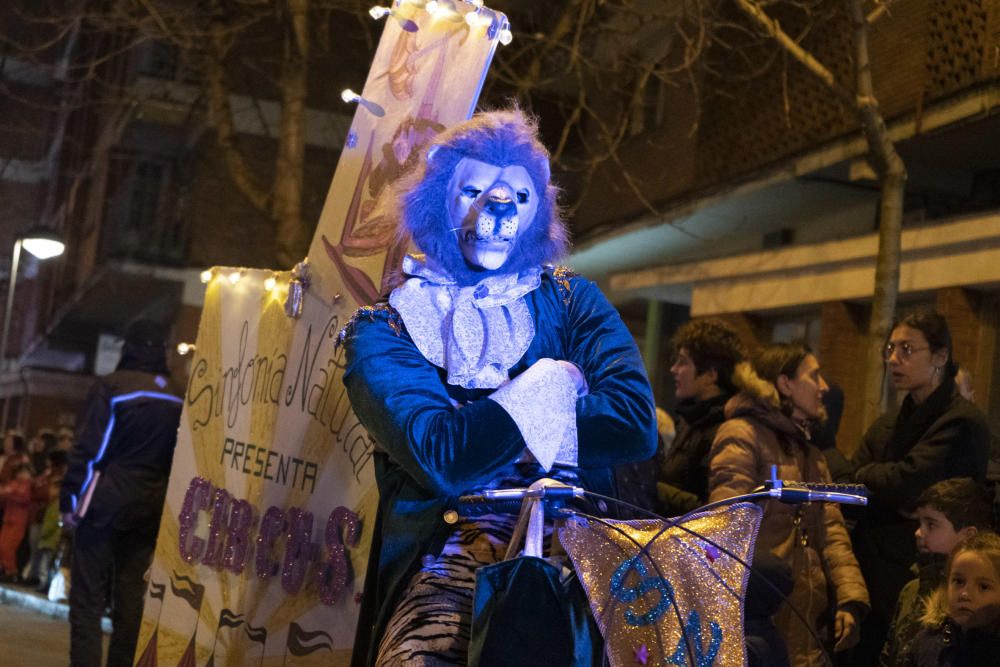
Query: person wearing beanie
pixel 113 492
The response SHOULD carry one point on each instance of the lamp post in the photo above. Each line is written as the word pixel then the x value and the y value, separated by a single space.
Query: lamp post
pixel 42 243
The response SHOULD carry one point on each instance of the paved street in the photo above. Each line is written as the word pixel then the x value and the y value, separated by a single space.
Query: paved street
pixel 32 637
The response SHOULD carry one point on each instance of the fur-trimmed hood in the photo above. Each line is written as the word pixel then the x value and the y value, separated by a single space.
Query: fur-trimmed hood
pixel 944 642
pixel 754 386
pixel 935 610
pixel 758 399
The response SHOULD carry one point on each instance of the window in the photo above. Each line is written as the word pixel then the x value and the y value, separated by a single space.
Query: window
pixel 803 327
pixel 143 214
pixel 158 60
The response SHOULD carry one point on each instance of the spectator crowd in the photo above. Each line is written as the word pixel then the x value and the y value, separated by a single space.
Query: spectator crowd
pixel 913 579
pixel 31 539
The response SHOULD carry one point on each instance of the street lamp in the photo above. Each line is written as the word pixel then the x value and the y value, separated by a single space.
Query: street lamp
pixel 41 242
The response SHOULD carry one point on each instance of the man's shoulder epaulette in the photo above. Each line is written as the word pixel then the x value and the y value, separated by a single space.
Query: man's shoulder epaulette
pixel 379 311
pixel 562 276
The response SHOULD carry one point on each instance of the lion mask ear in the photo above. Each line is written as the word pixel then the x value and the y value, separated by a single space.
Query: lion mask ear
pixel 431 152
pixel 547 168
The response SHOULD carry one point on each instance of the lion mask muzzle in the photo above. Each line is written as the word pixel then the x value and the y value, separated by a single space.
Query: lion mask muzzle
pixel 489 206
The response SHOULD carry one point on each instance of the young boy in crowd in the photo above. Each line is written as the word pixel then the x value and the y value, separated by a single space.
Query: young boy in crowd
pixel 949 512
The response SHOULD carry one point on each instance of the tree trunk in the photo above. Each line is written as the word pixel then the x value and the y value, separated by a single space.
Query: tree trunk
pixel 886 287
pixel 222 120
pixel 292 241
pixel 283 203
pixel 892 180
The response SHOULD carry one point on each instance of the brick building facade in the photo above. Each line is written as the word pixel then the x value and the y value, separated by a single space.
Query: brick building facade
pixel 762 213
pixel 766 214
pixel 126 165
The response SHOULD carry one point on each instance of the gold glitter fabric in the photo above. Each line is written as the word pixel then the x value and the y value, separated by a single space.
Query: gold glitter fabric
pixel 380 309
pixel 562 274
pixel 667 597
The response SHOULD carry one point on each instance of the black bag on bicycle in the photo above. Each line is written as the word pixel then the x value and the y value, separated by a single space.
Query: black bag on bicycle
pixel 528 611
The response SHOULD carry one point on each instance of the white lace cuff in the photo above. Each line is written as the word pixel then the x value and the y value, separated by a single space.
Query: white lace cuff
pixel 542 402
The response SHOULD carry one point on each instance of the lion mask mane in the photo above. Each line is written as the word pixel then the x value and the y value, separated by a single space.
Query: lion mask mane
pixel 499 138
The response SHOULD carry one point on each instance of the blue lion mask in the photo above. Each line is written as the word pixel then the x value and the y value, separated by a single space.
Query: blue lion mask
pixel 481 203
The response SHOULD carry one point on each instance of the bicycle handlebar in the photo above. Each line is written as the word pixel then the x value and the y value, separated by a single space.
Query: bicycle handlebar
pixel 782 490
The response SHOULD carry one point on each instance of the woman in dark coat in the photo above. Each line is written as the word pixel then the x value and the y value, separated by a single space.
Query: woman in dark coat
pixel 705 353
pixel 934 435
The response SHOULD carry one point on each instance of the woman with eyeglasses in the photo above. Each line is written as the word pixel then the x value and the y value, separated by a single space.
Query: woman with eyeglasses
pixel 934 435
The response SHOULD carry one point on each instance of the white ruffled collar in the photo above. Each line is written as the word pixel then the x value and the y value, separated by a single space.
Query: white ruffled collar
pixel 477 333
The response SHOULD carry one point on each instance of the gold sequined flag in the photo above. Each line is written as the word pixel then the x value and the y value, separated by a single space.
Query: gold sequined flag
pixel 667 596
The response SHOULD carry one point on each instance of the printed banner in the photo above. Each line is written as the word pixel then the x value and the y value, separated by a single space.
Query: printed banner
pixel 426 76
pixel 264 537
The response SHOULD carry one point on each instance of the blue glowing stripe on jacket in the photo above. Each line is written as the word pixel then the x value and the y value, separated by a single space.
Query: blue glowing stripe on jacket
pixel 111 425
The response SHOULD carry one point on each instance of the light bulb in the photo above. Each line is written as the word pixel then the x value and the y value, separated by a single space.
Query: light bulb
pixel 476 19
pixel 43 248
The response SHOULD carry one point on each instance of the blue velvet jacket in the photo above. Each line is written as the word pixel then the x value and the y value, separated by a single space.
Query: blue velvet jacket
pixel 430 452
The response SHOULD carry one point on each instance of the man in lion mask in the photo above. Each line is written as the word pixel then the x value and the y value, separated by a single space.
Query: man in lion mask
pixel 486 368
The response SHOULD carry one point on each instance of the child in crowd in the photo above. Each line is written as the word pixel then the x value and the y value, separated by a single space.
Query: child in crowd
pixel 15 453
pixel 961 627
pixel 949 512
pixel 46 493
pixel 65 439
pixel 16 496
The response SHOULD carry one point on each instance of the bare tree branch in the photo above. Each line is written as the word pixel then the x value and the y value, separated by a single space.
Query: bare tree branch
pixel 892 177
pixel 222 119
pixel 754 11
pixel 881 9
pixel 290 172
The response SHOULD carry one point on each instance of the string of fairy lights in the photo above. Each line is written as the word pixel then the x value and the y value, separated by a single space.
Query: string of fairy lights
pixel 447 10
pixel 478 17
pixel 236 275
pixel 233 277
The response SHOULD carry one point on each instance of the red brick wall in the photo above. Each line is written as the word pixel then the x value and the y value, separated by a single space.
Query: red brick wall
pixel 841 346
pixel 961 308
